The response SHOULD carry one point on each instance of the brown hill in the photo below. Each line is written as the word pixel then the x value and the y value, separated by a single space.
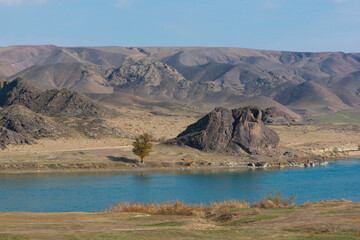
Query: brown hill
pixel 310 95
pixel 64 103
pixel 29 113
pixel 276 115
pixel 22 57
pixel 74 76
pixel 202 74
pixel 7 70
pixel 154 80
pixel 347 87
pixel 150 79
pixel 22 120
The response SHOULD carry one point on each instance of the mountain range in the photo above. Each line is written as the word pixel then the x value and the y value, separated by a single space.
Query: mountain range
pixel 305 82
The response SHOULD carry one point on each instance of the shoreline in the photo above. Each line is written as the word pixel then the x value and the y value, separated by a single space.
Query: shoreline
pixel 168 169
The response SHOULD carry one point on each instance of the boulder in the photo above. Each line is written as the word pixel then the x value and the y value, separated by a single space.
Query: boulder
pixel 262 164
pixel 238 131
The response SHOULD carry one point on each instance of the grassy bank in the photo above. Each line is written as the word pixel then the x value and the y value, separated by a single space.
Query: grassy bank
pixel 225 220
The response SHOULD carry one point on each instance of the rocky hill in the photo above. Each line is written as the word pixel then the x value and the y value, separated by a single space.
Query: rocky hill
pixel 28 113
pixel 276 115
pixel 22 120
pixel 59 103
pixel 238 131
pixel 195 75
pixel 8 137
pixel 150 79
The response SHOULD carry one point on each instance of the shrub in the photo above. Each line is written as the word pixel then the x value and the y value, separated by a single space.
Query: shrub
pixel 275 200
pixel 256 211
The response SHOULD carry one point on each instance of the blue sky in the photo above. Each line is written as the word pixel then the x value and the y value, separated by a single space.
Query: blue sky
pixel 296 25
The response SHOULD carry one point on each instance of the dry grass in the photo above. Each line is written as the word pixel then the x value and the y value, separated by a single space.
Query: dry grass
pixel 176 208
pixel 218 208
pixel 327 220
pixel 275 200
pixel 319 139
pixel 162 126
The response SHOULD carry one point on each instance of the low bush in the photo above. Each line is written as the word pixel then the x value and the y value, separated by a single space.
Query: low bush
pixel 275 200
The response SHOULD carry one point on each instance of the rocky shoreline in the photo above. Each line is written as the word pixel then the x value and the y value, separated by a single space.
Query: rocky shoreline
pixel 100 167
pixel 289 164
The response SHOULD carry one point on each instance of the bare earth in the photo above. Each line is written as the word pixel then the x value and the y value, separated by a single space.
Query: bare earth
pixel 83 153
pixel 324 220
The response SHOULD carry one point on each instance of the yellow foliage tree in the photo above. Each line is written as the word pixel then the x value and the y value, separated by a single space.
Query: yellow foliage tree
pixel 143 145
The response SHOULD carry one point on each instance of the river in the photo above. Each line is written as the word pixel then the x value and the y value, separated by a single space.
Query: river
pixel 94 191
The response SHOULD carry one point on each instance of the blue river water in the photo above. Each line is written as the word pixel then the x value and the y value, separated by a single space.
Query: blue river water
pixel 94 191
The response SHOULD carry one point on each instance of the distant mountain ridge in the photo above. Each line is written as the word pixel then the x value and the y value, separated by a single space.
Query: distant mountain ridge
pixel 192 74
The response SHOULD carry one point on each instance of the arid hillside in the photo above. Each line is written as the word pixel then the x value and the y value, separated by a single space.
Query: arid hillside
pixel 28 113
pixel 200 76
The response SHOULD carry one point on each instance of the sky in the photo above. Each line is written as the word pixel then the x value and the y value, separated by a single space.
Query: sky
pixel 293 25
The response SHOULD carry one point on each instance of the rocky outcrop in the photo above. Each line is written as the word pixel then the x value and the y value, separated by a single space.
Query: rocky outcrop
pixel 55 103
pixel 8 137
pixel 275 115
pixel 28 113
pixel 22 120
pixel 155 79
pixel 237 131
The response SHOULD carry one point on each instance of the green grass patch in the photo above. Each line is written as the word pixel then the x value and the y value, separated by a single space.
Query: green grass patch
pixel 351 230
pixel 338 212
pixel 164 224
pixel 292 230
pixel 238 210
pixel 253 219
pixel 323 237
pixel 135 219
pixel 33 226
pixel 352 116
pixel 279 210
pixel 8 236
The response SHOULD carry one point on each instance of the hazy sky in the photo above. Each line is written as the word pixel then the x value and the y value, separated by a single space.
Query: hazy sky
pixel 301 25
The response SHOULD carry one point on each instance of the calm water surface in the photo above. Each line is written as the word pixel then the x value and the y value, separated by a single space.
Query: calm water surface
pixel 63 192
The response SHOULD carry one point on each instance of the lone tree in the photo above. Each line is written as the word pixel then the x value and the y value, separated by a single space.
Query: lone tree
pixel 143 145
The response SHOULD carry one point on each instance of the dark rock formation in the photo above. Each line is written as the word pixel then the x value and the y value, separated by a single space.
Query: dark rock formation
pixel 28 113
pixel 237 131
pixel 59 103
pixel 8 137
pixel 22 120
pixel 274 115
